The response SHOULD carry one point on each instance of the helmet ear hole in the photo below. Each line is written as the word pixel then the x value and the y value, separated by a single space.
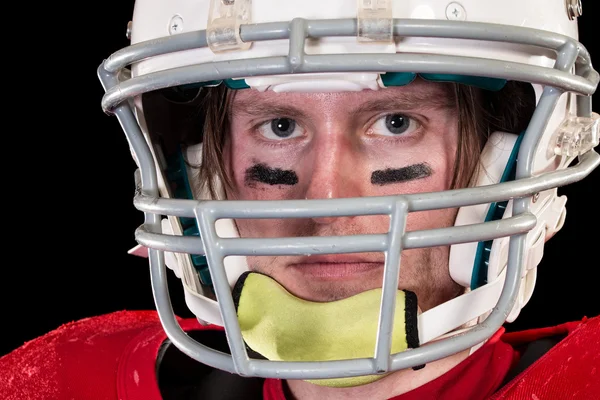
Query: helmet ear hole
pixel 174 117
pixel 181 94
pixel 511 108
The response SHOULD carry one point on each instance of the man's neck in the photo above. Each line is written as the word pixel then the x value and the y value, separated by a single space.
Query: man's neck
pixel 395 384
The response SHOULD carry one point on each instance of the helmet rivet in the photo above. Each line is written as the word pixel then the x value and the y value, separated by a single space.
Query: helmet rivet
pixel 574 9
pixel 176 25
pixel 456 12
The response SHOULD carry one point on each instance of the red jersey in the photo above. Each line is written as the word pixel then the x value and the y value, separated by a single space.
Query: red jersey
pixel 114 356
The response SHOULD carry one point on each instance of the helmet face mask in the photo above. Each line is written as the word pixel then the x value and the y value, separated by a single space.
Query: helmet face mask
pixel 504 218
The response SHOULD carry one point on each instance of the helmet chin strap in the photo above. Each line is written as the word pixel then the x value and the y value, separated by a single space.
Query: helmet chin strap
pixel 476 264
pixel 281 327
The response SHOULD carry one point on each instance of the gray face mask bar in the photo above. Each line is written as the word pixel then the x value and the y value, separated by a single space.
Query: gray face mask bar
pixel 571 56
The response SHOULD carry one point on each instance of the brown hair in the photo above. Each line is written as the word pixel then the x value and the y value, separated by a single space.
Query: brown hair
pixel 481 112
pixel 216 125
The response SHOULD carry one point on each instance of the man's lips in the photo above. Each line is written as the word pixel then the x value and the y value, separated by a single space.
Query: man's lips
pixel 338 266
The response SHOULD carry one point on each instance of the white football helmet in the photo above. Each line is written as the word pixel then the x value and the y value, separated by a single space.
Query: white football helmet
pixel 505 216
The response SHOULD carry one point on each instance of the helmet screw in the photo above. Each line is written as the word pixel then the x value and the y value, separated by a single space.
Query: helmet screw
pixel 176 25
pixel 574 9
pixel 456 12
pixel 128 31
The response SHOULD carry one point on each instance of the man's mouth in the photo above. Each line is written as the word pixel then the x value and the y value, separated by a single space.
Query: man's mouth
pixel 337 266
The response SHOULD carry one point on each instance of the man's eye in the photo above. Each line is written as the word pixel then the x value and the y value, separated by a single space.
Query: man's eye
pixel 281 128
pixel 394 125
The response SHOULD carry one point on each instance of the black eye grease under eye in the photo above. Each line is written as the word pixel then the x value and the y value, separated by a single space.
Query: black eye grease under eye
pixel 409 173
pixel 270 176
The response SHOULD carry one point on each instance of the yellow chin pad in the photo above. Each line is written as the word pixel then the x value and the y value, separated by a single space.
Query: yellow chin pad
pixel 282 327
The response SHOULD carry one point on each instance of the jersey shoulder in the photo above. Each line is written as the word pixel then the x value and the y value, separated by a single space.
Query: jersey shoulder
pixel 74 359
pixel 567 370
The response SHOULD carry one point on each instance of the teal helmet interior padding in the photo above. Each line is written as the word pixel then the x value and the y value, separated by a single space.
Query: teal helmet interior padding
pixel 178 177
pixel 390 79
pixel 404 78
pixel 495 212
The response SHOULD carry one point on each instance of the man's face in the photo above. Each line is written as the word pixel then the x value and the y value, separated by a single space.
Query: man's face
pixel 336 145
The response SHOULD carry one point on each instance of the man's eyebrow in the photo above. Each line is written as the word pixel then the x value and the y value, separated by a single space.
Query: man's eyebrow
pixel 392 100
pixel 253 107
pixel 404 101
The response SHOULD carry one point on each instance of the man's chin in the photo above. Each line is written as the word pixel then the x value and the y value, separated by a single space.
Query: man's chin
pixel 325 286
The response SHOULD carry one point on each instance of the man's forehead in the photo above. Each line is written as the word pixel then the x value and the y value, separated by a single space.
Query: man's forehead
pixel 417 92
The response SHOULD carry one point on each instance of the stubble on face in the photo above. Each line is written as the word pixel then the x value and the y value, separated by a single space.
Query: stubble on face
pixel 422 271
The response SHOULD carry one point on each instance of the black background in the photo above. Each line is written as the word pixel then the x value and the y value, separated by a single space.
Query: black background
pixel 68 189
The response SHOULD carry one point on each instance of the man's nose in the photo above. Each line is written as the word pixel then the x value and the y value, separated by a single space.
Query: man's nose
pixel 335 171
